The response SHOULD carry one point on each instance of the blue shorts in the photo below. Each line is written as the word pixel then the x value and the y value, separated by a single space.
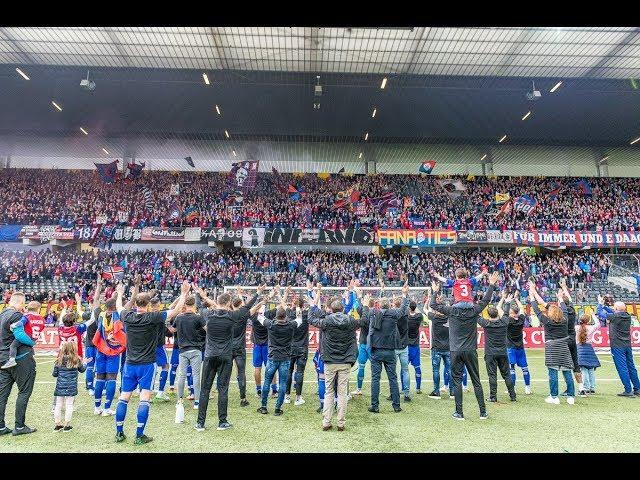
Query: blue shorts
pixel 137 375
pixel 260 355
pixel 319 363
pixel 517 356
pixel 161 356
pixel 364 353
pixel 107 363
pixel 90 352
pixel 175 355
pixel 414 355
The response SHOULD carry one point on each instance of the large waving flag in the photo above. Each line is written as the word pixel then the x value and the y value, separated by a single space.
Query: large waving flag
pixel 453 188
pixel 427 167
pixel 295 193
pixel 525 204
pixel 502 198
pixel 148 197
pixel 110 337
pixel 174 211
pixel 243 175
pixel 505 210
pixel 135 169
pixel 555 190
pixel 115 272
pixel 584 188
pixel 191 213
pixel 108 171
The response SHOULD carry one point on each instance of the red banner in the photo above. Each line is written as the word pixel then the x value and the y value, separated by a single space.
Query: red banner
pixel 533 338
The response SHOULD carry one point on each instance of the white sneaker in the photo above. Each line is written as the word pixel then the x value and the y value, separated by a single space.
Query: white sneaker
pixel 108 412
pixel 162 396
pixel 357 392
pixel 349 397
pixel 287 399
pixel 97 410
pixel 553 400
pixel 179 413
pixel 444 388
pixel 527 390
pixel 571 400
pixel 196 405
pixel 299 402
pixel 91 393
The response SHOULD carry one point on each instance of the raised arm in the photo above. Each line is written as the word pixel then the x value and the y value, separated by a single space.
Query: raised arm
pixel 565 290
pixel 137 281
pixel 493 280
pixel 436 307
pixel 119 294
pixel 96 294
pixel 184 290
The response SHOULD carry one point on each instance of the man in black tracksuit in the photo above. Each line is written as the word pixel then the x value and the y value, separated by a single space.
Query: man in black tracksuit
pixel 463 318
pixel 299 352
pixel 571 332
pixel 239 354
pixel 218 353
pixel 495 350
pixel 382 339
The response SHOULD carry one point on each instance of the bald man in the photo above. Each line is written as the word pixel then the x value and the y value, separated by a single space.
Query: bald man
pixel 620 340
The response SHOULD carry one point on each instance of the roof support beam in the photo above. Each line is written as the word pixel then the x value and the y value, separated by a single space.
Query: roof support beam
pixel 514 50
pixel 26 58
pixel 215 40
pixel 616 49
pixel 117 44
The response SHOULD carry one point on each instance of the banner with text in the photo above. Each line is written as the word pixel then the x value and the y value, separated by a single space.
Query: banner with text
pixel 565 238
pixel 416 238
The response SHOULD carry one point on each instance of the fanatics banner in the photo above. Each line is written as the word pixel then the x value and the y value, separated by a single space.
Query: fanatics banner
pixel 416 238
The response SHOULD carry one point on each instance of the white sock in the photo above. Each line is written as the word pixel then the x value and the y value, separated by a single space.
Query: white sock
pixel 580 387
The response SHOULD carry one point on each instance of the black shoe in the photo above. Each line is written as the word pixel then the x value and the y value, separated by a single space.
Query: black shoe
pixel 582 393
pixel 493 400
pixel 513 399
pixel 407 399
pixel 57 428
pixel 623 394
pixel 373 410
pixel 390 398
pixel 5 431
pixel 278 411
pixel 457 416
pixel 199 427
pixel 397 409
pixel 23 431
pixel 435 394
pixel 592 392
pixel 484 416
pixel 319 410
pixel 120 437
pixel 326 428
pixel 244 402
pixel 224 426
pixel 142 439
pixel 67 428
pixel 262 410
pixel 636 393
pixel 418 392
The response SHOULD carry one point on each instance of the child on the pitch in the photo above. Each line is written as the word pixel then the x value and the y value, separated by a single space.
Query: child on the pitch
pixel 23 334
pixel 587 359
pixel 66 369
pixel 463 285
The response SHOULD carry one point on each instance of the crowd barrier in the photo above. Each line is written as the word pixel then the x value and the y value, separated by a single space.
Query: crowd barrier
pixel 533 337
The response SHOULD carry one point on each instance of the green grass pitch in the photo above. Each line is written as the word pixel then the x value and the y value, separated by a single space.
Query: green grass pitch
pixel 599 423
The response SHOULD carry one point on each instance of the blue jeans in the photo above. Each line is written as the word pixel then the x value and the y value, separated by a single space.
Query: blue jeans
pixel 623 359
pixel 588 378
pixel 403 357
pixel 436 357
pixel 388 358
pixel 553 382
pixel 273 366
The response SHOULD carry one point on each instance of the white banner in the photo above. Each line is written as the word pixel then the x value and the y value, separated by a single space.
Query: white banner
pixel 192 234
pixel 498 236
pixel 101 219
pixel 122 217
pixel 175 189
pixel 253 237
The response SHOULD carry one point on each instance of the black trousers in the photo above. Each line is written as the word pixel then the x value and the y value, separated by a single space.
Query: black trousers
pixel 299 363
pixel 469 359
pixel 24 376
pixel 240 359
pixel 213 366
pixel 388 359
pixel 498 362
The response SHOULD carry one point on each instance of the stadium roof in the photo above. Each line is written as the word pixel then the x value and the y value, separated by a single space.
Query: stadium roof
pixel 569 52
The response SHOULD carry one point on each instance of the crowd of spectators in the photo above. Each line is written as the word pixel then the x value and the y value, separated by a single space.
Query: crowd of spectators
pixel 50 197
pixel 166 269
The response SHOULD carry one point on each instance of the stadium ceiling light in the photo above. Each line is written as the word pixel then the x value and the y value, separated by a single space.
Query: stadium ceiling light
pixel 218 110
pixel 22 74
pixel 555 87
pixel 226 134
pixel 604 159
pixel 366 136
pixel 205 78
pixel 58 107
pixel 373 115
pixel 634 141
pixel 84 131
pixel 360 156
pixel 234 153
pixel 483 157
pixel 527 115
pixel 384 82
pixel 504 137
pixel 105 150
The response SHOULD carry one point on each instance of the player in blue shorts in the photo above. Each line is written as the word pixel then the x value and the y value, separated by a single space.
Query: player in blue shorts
pixel 260 353
pixel 515 344
pixel 142 328
pixel 162 360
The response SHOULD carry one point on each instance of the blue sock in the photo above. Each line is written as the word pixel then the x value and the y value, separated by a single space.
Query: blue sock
pixel 512 370
pixel 97 393
pixel 110 392
pixel 321 391
pixel 360 375
pixel 527 377
pixel 89 378
pixel 143 416
pixel 164 374
pixel 190 380
pixel 172 375
pixel 121 413
pixel 418 377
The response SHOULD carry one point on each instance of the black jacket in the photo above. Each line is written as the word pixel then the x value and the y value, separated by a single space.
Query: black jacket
pixel 190 334
pixel 7 317
pixel 439 332
pixel 463 330
pixel 67 380
pixel 384 336
pixel 338 339
pixel 495 335
pixel 619 329
pixel 220 325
